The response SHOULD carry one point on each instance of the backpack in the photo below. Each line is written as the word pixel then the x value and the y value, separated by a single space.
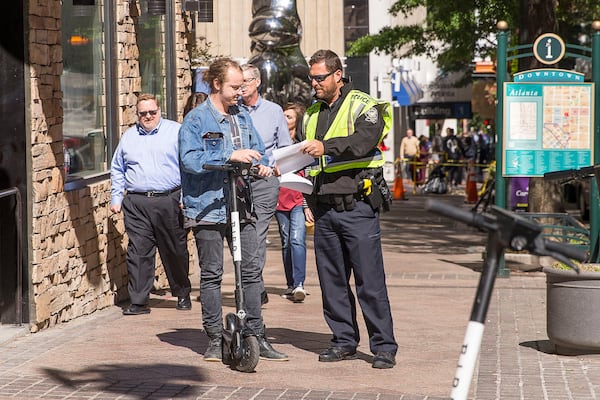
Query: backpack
pixel 470 148
pixel 435 185
pixel 452 148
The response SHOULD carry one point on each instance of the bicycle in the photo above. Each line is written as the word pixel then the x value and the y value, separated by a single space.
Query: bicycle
pixel 488 189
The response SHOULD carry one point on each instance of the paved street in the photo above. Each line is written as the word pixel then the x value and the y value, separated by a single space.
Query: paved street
pixel 432 267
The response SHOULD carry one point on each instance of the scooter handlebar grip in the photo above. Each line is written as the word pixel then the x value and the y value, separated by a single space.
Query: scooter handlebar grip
pixel 567 250
pixel 450 211
pixel 217 167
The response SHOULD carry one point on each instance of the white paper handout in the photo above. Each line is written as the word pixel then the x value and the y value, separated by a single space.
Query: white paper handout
pixel 291 158
pixel 293 181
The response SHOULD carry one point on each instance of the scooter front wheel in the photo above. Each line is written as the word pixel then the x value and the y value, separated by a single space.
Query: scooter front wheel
pixel 250 355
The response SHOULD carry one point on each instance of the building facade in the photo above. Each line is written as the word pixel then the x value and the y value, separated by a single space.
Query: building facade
pixel 72 71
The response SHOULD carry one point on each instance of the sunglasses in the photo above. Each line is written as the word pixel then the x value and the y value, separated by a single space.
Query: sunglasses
pixel 319 78
pixel 144 113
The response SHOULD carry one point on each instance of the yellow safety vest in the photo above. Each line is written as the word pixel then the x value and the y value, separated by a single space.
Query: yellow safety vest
pixel 355 104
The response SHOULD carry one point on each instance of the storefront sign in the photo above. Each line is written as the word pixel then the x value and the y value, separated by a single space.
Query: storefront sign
pixel 456 110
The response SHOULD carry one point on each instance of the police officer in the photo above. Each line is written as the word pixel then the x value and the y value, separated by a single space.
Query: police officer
pixel 343 128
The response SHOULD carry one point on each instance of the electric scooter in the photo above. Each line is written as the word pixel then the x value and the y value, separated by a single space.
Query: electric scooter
pixel 241 350
pixel 505 230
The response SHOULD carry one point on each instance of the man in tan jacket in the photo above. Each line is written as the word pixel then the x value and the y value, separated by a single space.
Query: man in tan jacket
pixel 409 150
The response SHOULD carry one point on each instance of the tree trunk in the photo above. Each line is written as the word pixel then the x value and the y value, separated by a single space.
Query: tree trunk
pixel 545 196
pixel 537 17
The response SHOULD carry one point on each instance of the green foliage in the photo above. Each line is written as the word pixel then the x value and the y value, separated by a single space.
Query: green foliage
pixel 584 267
pixel 456 31
pixel 201 53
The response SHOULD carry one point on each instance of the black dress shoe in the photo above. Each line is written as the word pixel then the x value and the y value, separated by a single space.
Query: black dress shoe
pixel 136 309
pixel 383 360
pixel 337 354
pixel 267 352
pixel 184 303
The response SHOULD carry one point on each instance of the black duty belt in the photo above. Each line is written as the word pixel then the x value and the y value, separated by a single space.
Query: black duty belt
pixel 332 199
pixel 156 193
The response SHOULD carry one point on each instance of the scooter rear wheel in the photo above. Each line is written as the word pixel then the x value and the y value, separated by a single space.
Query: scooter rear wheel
pixel 250 355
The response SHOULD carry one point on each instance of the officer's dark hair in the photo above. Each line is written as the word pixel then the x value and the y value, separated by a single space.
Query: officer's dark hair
pixel 332 61
pixel 218 70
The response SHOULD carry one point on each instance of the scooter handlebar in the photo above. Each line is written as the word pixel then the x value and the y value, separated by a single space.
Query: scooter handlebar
pixel 486 222
pixel 238 169
pixel 567 250
pixel 217 167
pixel 560 251
pixel 227 166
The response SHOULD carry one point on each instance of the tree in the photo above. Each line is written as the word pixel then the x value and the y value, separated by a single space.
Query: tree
pixel 455 32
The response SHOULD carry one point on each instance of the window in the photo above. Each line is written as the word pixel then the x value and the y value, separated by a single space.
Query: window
pixel 151 45
pixel 356 20
pixel 84 134
pixel 356 25
pixel 204 8
pixel 205 13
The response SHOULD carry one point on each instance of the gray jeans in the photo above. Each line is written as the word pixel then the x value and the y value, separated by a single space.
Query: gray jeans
pixel 209 242
pixel 265 193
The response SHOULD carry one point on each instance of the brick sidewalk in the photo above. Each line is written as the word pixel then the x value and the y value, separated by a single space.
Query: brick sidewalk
pixel 432 276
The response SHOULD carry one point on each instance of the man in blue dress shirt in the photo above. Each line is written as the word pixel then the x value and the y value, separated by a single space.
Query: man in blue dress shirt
pixel 270 122
pixel 146 186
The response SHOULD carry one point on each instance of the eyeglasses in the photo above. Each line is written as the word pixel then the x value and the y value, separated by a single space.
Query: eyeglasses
pixel 249 80
pixel 144 113
pixel 319 78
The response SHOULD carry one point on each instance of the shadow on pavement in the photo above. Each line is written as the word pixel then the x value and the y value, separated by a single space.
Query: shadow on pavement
pixel 308 341
pixel 162 380
pixel 193 339
pixel 473 266
pixel 547 347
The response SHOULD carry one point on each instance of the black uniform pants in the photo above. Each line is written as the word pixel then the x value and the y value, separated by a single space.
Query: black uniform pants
pixel 152 222
pixel 349 242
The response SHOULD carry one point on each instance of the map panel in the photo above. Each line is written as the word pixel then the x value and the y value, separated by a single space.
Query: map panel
pixel 522 121
pixel 547 127
pixel 566 117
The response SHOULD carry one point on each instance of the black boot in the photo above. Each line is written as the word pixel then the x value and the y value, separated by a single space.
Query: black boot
pixel 214 352
pixel 267 352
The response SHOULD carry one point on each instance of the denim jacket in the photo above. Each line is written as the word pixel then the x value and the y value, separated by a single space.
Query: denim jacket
pixel 206 193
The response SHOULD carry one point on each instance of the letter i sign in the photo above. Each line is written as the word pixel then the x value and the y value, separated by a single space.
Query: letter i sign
pixel 549 48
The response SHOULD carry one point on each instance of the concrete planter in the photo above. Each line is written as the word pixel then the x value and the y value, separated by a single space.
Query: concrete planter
pixel 573 309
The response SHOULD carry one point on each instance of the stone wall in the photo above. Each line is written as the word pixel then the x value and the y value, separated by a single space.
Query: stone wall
pixel 184 76
pixel 77 249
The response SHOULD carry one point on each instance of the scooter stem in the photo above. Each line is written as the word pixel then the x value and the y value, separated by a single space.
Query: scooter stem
pixel 474 334
pixel 236 244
